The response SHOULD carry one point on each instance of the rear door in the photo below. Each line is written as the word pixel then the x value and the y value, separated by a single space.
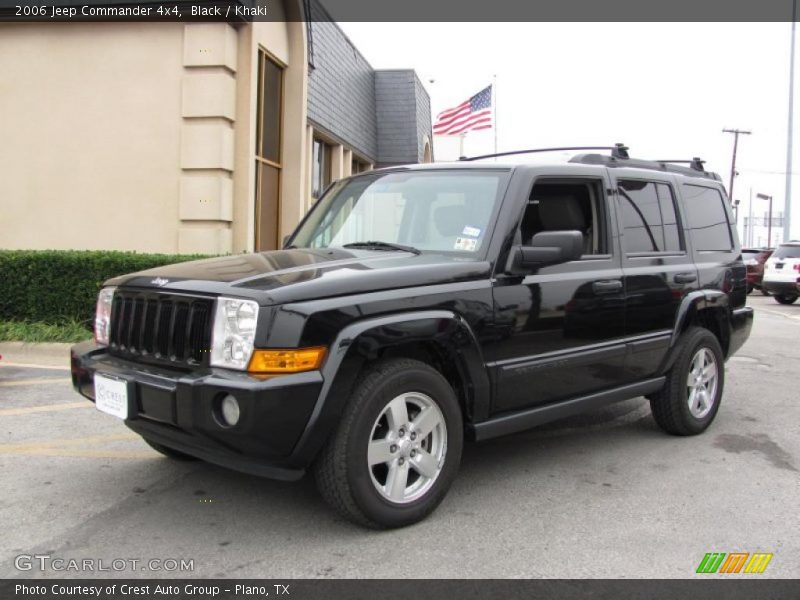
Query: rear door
pixel 657 266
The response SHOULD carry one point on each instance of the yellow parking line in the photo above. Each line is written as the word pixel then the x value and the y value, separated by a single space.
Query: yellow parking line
pixel 66 448
pixel 77 453
pixel 94 439
pixel 37 381
pixel 31 366
pixel 8 412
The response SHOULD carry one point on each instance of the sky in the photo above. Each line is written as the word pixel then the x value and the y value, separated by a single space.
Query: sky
pixel 664 89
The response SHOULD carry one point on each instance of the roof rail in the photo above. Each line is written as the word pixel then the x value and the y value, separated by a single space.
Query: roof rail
pixel 617 151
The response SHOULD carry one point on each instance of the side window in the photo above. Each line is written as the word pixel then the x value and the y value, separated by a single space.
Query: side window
pixel 649 219
pixel 707 219
pixel 574 204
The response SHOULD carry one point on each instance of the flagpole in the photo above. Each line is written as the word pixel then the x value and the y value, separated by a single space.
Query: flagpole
pixel 494 103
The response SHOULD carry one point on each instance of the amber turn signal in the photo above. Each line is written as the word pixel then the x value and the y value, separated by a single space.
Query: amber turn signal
pixel 276 362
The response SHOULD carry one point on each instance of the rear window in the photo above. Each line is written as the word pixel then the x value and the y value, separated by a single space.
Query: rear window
pixel 707 219
pixel 787 252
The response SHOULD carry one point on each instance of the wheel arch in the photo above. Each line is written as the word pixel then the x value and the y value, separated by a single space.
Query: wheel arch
pixel 440 338
pixel 709 309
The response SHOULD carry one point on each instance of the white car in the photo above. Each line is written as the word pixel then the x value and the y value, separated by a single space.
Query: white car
pixel 782 273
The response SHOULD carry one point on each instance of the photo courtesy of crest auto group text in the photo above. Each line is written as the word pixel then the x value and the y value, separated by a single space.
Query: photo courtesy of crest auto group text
pixel 311 297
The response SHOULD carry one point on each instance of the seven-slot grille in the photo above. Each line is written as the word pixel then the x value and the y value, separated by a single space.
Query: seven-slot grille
pixel 162 328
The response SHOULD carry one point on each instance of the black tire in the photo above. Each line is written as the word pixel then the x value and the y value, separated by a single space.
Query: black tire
pixel 785 298
pixel 343 476
pixel 670 405
pixel 750 288
pixel 169 452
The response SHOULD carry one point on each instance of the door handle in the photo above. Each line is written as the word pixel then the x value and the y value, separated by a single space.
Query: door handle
pixel 685 278
pixel 607 287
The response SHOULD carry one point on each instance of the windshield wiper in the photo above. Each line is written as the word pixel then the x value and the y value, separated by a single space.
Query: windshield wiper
pixel 375 245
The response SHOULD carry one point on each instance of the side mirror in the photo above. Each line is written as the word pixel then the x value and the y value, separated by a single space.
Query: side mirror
pixel 547 248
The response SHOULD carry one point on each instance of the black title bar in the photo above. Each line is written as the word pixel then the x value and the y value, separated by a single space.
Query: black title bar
pixel 730 588
pixel 400 10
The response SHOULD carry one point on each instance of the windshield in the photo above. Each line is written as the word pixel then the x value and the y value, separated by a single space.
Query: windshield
pixel 434 211
pixel 787 252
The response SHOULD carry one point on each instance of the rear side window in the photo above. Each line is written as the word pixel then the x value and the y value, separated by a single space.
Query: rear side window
pixel 707 219
pixel 648 215
pixel 787 252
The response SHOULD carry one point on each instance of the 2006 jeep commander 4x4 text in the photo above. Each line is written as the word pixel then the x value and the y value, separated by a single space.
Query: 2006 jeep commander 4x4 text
pixel 415 307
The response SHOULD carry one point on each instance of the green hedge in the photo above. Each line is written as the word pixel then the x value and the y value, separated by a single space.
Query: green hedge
pixel 55 286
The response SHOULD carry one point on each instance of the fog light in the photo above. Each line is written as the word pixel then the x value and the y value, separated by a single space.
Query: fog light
pixel 230 410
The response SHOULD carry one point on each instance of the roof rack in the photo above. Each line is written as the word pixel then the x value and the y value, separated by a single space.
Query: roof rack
pixel 694 170
pixel 619 157
pixel 617 151
pixel 696 163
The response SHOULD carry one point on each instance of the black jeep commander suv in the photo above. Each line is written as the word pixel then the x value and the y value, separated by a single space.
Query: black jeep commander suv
pixel 417 307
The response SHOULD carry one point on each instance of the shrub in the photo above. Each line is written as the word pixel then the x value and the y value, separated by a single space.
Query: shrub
pixel 58 286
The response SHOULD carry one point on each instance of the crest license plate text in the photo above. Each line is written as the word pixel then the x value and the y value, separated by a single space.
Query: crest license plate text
pixel 111 396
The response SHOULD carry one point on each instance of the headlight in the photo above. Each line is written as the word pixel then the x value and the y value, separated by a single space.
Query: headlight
pixel 234 333
pixel 102 315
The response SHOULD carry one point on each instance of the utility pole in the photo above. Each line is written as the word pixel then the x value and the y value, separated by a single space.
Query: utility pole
pixel 787 212
pixel 736 133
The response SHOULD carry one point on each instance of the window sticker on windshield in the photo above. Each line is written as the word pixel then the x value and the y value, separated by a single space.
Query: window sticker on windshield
pixel 471 231
pixel 466 244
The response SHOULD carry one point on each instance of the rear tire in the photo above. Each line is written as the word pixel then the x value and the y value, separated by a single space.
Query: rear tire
pixel 690 398
pixel 750 288
pixel 169 452
pixel 397 447
pixel 785 298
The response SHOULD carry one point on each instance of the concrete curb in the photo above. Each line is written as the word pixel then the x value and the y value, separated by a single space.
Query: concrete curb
pixel 45 354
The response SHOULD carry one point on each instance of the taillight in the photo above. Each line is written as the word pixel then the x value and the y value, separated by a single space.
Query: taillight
pixel 796 266
pixel 102 316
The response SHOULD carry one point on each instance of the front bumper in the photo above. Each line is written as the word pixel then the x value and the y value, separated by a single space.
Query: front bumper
pixel 179 409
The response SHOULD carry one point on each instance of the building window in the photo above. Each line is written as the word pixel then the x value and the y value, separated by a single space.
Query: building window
pixel 649 217
pixel 320 167
pixel 358 166
pixel 268 152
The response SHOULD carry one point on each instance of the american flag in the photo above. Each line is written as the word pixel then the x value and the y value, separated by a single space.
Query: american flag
pixel 474 114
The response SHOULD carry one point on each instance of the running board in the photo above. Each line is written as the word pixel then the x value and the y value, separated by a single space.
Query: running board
pixel 526 419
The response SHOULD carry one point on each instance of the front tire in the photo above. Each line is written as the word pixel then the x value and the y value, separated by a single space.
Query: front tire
pixel 397 447
pixel 785 298
pixel 690 398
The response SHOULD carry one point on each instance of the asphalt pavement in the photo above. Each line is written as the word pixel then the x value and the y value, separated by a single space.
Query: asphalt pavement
pixel 604 495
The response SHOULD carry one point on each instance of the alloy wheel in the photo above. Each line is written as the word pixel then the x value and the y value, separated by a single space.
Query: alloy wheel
pixel 407 447
pixel 702 382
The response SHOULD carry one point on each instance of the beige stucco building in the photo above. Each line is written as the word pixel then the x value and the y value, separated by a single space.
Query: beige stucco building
pixel 186 137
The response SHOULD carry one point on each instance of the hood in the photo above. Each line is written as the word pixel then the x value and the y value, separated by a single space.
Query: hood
pixel 300 274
